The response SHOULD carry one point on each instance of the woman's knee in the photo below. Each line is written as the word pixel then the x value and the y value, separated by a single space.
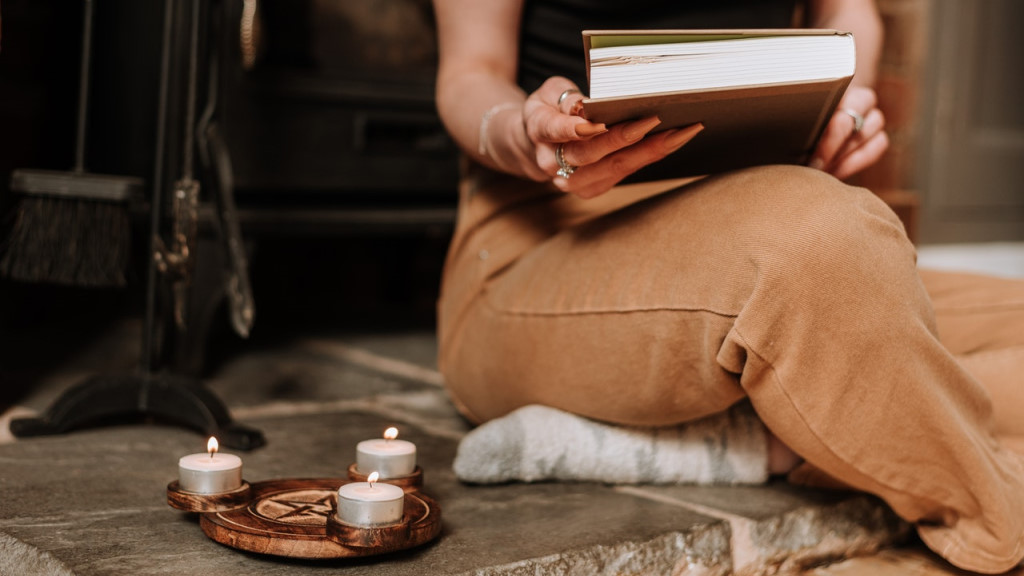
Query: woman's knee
pixel 799 198
pixel 807 217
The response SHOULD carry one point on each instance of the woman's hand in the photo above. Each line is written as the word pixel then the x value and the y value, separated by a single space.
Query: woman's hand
pixel 855 137
pixel 594 157
pixel 539 136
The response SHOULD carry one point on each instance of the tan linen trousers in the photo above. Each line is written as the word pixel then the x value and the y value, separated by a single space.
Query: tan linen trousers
pixel 656 304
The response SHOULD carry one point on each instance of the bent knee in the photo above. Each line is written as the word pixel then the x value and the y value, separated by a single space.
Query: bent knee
pixel 783 189
pixel 802 208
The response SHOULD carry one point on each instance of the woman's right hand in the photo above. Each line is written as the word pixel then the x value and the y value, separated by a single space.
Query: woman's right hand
pixel 494 122
pixel 595 157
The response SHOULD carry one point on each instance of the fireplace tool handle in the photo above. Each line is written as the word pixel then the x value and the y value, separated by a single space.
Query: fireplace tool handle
pixel 214 154
pixel 176 399
pixel 177 261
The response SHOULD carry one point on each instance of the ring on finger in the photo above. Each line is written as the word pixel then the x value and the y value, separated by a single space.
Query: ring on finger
pixel 565 94
pixel 564 168
pixel 858 119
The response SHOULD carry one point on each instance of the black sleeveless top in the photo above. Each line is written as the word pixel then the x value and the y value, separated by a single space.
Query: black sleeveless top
pixel 551 43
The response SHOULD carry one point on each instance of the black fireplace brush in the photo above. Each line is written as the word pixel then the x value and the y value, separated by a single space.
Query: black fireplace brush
pixel 71 227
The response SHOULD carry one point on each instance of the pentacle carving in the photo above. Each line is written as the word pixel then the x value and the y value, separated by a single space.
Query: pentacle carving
pixel 307 507
pixel 295 517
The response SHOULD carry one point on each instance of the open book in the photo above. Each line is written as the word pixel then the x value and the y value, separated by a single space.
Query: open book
pixel 764 96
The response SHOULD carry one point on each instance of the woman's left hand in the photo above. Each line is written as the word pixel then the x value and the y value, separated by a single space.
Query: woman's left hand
pixel 855 137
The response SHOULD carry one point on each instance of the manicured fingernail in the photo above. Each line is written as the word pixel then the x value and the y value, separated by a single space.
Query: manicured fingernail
pixel 678 137
pixel 816 163
pixel 587 130
pixel 638 129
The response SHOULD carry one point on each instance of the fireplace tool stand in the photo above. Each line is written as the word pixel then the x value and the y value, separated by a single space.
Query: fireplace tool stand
pixel 152 392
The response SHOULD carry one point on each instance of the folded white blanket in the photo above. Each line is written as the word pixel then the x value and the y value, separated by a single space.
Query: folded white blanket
pixel 537 443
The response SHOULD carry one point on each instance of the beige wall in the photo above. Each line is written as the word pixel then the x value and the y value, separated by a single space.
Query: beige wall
pixel 947 70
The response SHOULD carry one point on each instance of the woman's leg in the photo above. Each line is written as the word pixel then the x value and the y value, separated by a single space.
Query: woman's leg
pixel 778 283
pixel 981 321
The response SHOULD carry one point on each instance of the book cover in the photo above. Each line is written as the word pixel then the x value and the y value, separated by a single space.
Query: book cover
pixel 760 103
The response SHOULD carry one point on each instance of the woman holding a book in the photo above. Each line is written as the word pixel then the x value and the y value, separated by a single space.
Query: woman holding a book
pixel 575 284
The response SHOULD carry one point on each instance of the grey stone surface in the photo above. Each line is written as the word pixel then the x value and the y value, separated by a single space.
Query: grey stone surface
pixel 297 375
pixel 93 502
pixel 415 347
pixel 781 527
pixel 17 557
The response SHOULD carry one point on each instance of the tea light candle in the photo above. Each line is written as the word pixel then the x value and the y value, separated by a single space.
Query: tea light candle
pixel 388 456
pixel 210 472
pixel 369 504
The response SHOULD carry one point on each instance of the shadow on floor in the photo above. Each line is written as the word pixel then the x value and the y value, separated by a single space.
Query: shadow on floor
pixel 302 287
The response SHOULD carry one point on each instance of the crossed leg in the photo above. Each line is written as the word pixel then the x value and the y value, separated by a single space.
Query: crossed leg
pixel 778 284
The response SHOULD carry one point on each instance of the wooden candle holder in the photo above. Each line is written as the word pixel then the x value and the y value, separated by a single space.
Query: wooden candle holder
pixel 420 522
pixel 297 518
pixel 411 483
pixel 196 502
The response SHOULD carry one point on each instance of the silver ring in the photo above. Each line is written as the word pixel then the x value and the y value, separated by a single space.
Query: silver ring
pixel 858 120
pixel 564 95
pixel 564 168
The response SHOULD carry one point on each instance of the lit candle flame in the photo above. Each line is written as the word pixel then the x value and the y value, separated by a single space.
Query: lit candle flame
pixel 391 433
pixel 372 478
pixel 211 446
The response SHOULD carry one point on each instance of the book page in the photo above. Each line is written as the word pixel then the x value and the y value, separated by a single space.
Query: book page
pixel 617 71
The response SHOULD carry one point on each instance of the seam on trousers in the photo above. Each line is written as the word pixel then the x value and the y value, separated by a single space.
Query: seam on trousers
pixel 793 405
pixel 950 539
pixel 993 352
pixel 1001 307
pixel 599 312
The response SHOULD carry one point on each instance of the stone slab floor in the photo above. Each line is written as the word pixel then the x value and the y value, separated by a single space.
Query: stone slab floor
pixel 93 502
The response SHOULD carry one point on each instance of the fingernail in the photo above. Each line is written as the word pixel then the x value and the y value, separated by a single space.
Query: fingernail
pixel 816 163
pixel 586 130
pixel 680 136
pixel 637 130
